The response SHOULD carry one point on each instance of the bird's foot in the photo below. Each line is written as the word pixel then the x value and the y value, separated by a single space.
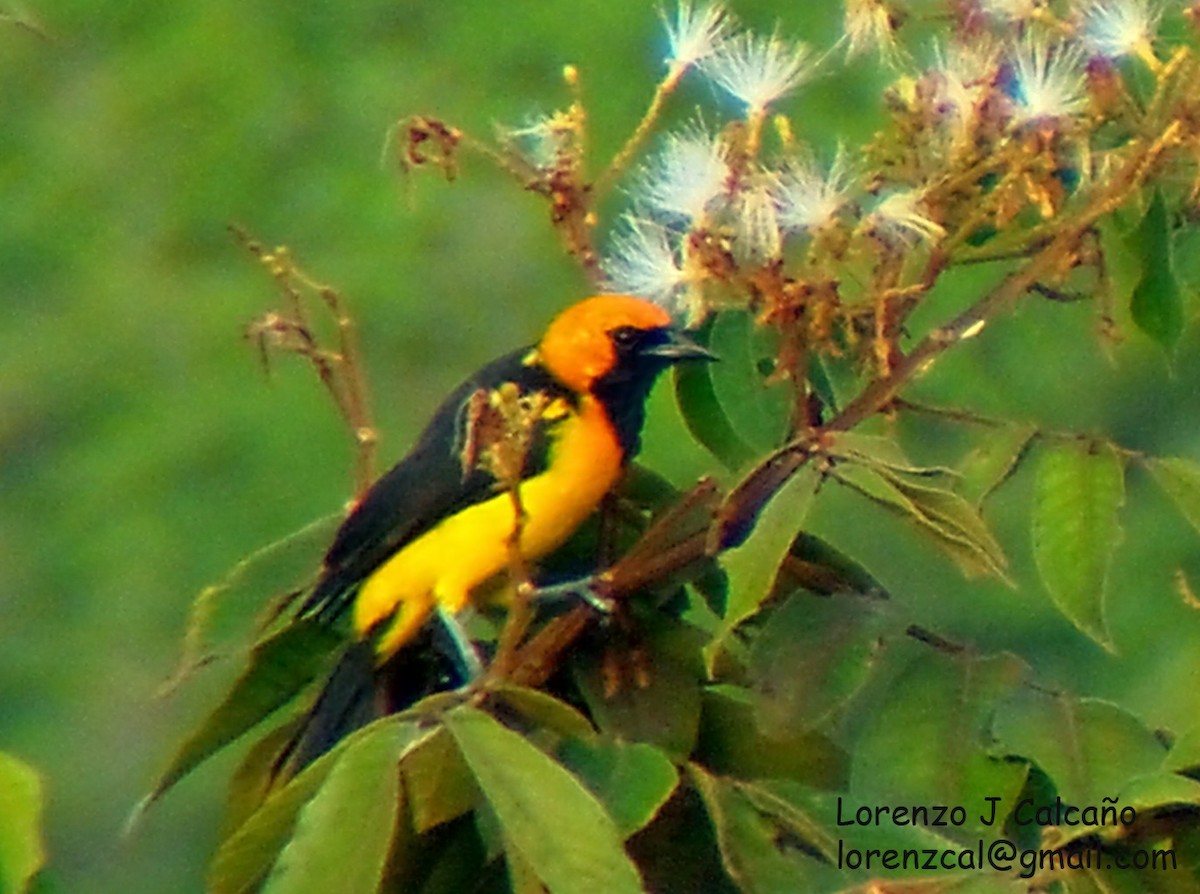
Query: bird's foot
pixel 589 590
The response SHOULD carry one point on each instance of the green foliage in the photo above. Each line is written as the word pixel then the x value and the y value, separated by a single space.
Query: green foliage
pixel 951 521
pixel 703 412
pixel 547 818
pixel 22 851
pixel 753 566
pixel 811 658
pixel 663 710
pixel 1090 748
pixel 766 844
pixel 632 780
pixel 992 461
pixel 329 850
pixel 1080 488
pixel 1157 303
pixel 1180 478
pixel 279 667
pixel 938 711
pixel 249 850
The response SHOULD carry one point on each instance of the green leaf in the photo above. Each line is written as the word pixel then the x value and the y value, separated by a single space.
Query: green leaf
pixel 632 780
pixel 223 611
pixel 646 488
pixel 665 712
pixel 977 884
pixel 1122 262
pixel 344 833
pixel 753 566
pixel 1159 790
pixel 544 710
pixel 881 453
pixel 957 523
pixel 1180 479
pixel 279 668
pixel 1077 494
pixel 811 658
pixel 955 526
pixel 762 852
pixel 678 853
pixel 247 853
pixel 1090 748
pixel 438 785
pixel 244 857
pixel 703 414
pixel 760 412
pixel 1157 302
pixel 1162 877
pixel 1148 797
pixel 732 743
pixel 522 879
pixel 776 798
pixel 925 741
pixel 1186 248
pixel 993 460
pixel 820 382
pixel 22 853
pixel 549 817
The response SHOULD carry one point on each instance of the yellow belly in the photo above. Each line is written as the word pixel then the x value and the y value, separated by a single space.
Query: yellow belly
pixel 446 563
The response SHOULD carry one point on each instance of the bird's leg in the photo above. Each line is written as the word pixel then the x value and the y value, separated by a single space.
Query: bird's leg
pixel 461 650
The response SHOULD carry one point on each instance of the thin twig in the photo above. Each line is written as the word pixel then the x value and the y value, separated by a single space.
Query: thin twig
pixel 644 127
pixel 340 371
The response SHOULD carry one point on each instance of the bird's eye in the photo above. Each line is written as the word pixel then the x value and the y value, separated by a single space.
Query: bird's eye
pixel 625 337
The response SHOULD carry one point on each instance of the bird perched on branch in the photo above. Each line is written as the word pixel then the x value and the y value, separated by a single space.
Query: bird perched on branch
pixel 511 464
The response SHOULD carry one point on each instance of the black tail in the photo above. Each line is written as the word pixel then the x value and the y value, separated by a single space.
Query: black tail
pixel 348 701
pixel 359 691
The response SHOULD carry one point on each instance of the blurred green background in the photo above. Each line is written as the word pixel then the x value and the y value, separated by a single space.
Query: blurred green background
pixel 143 451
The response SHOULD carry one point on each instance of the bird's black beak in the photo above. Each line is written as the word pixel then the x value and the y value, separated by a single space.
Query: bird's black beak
pixel 678 346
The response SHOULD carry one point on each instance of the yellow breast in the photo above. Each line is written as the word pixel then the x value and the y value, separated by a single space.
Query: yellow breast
pixel 446 563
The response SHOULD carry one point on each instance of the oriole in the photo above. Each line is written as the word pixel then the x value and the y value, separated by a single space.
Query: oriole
pixel 434 530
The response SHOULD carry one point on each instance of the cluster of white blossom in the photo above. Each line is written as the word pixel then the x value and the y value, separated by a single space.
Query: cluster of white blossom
pixel 1004 70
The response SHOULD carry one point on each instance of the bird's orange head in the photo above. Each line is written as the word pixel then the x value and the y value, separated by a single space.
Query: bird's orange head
pixel 597 336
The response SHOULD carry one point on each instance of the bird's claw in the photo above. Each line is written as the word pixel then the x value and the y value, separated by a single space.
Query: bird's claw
pixel 588 590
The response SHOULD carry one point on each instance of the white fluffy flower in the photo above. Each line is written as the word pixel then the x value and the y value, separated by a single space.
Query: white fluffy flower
pixel 1116 28
pixel 1048 80
pixel 809 198
pixel 966 71
pixel 899 216
pixel 759 70
pixel 687 177
pixel 963 77
pixel 695 33
pixel 871 24
pixel 645 261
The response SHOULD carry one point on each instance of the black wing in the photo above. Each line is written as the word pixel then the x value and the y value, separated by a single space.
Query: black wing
pixel 426 486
